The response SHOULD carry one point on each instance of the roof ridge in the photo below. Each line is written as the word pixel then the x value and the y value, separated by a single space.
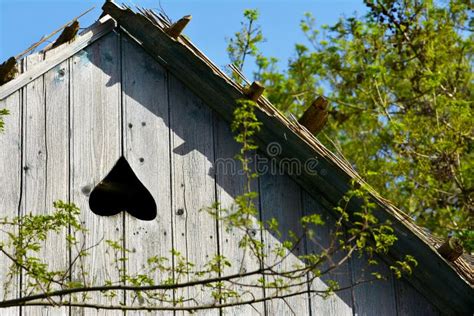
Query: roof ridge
pixel 462 266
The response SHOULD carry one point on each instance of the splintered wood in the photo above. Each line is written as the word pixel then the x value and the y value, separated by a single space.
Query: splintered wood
pixel 316 116
pixel 254 91
pixel 177 28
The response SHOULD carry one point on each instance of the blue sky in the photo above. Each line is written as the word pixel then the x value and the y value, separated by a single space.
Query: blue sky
pixel 22 22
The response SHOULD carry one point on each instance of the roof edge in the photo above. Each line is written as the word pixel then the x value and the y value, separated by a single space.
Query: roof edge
pixel 56 56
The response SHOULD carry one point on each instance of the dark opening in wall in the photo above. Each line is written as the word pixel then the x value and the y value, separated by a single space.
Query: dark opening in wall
pixel 121 190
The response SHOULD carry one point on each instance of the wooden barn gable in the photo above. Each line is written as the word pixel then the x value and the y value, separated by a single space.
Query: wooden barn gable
pixel 126 88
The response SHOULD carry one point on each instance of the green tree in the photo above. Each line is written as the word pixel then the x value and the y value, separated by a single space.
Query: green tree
pixel 399 82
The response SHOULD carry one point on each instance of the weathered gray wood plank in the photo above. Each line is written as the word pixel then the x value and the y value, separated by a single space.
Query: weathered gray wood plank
pixel 56 83
pixel 34 145
pixel 195 235
pixel 341 302
pixel 410 302
pixel 281 199
pixel 10 189
pixel 374 297
pixel 146 144
pixel 46 155
pixel 230 183
pixel 96 146
pixel 34 153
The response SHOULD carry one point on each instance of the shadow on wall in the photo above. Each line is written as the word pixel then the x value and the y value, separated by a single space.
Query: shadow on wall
pixel 199 142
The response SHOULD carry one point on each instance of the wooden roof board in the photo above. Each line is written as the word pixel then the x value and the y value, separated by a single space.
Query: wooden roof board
pixel 448 285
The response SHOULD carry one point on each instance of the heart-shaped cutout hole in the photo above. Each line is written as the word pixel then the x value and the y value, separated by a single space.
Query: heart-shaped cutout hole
pixel 121 190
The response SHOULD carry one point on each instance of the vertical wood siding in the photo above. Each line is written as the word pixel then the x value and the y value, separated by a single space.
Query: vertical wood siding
pixel 34 155
pixel 67 129
pixel 96 146
pixel 281 200
pixel 375 297
pixel 147 149
pixel 56 87
pixel 340 304
pixel 192 157
pixel 10 187
pixel 230 183
pixel 411 303
pixel 46 159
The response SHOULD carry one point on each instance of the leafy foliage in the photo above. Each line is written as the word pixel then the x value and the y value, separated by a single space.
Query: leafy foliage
pixel 399 81
pixel 3 112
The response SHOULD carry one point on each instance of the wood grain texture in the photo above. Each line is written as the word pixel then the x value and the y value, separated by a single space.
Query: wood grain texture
pixel 375 297
pixel 46 153
pixel 281 199
pixel 230 184
pixel 146 144
pixel 96 146
pixel 194 230
pixel 410 302
pixel 34 144
pixel 10 188
pixel 34 155
pixel 56 83
pixel 58 56
pixel 341 302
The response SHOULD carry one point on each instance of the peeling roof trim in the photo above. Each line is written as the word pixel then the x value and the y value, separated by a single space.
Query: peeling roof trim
pixel 56 56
